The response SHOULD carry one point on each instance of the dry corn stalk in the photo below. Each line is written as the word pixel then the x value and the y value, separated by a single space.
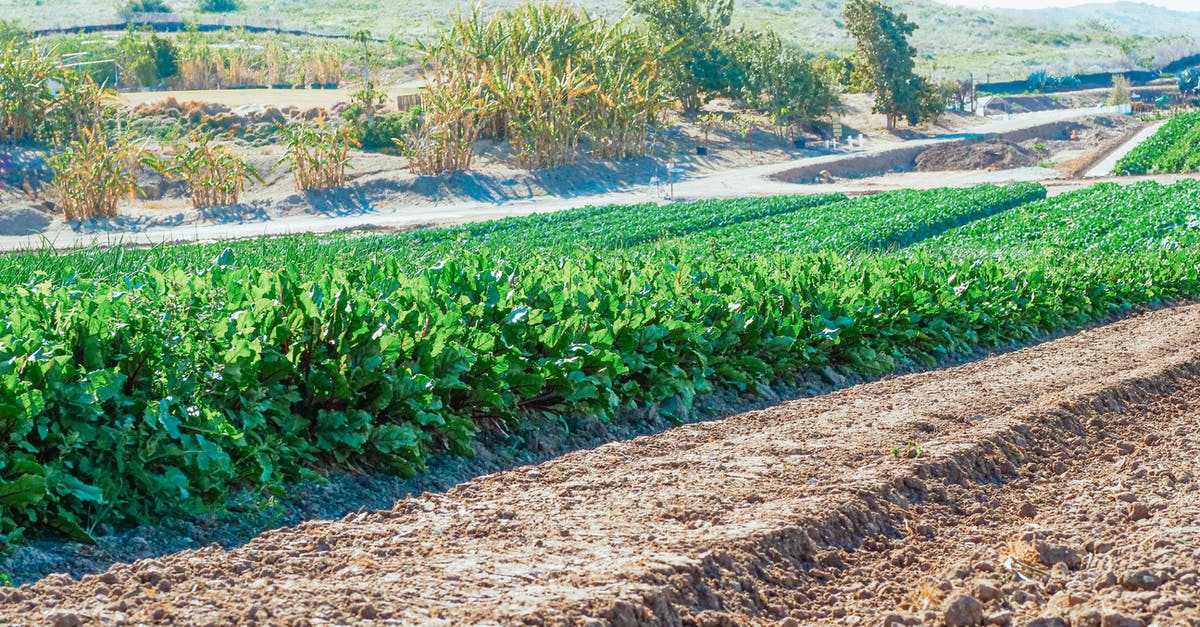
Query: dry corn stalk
pixel 94 173
pixel 216 176
pixel 318 154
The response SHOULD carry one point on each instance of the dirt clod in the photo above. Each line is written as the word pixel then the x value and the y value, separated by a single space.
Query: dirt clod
pixel 1144 579
pixel 1002 618
pixel 961 610
pixel 1052 554
pixel 65 619
pixel 1138 511
pixel 1117 619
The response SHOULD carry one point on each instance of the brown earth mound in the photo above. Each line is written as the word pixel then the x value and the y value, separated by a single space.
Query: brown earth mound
pixel 1048 485
pixel 992 154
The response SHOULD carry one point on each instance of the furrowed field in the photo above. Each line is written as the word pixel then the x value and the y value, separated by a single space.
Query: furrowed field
pixel 137 383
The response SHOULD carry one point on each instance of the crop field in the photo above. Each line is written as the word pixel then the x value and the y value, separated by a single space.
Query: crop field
pixel 141 383
pixel 146 382
pixel 780 323
pixel 1174 148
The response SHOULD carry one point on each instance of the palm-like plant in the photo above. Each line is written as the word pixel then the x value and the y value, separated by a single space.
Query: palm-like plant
pixel 95 172
pixel 216 175
pixel 318 154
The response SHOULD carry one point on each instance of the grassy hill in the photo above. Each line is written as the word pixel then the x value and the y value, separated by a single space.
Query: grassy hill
pixel 954 41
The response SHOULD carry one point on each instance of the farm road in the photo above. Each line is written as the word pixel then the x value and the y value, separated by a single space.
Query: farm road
pixel 1109 163
pixel 748 181
pixel 787 515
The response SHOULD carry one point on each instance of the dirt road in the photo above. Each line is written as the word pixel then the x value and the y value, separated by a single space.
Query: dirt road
pixel 1054 481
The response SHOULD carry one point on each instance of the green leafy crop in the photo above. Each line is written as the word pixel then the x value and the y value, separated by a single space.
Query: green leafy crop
pixel 136 384
pixel 1173 148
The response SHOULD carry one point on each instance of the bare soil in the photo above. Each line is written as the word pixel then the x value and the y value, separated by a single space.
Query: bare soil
pixel 992 154
pixel 1052 484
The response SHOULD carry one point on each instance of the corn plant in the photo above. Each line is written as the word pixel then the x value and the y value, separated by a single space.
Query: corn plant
pixel 457 101
pixel 215 174
pixel 543 102
pixel 318 154
pixel 81 105
pixel 25 93
pixel 543 76
pixel 94 173
pixel 630 91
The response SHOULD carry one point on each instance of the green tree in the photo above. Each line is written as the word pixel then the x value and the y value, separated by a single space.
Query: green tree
pixel 166 63
pixel 782 81
pixel 886 61
pixel 698 41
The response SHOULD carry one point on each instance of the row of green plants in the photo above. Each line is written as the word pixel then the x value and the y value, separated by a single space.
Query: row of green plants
pixel 880 222
pixel 1173 148
pixel 1106 218
pixel 602 228
pixel 127 396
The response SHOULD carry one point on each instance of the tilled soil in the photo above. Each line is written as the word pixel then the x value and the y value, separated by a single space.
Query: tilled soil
pixel 1054 485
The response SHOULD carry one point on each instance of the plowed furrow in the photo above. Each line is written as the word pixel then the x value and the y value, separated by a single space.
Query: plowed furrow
pixel 781 514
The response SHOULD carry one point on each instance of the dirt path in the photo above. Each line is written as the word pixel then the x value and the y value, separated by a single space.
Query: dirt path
pixel 831 510
pixel 1109 163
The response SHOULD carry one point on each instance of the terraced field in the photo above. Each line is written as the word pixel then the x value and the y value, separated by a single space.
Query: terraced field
pixel 141 383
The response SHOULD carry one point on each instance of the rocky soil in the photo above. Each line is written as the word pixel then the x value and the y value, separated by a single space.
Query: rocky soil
pixel 1054 485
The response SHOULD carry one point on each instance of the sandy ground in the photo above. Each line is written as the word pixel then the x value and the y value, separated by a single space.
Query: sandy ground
pixel 384 195
pixel 1052 483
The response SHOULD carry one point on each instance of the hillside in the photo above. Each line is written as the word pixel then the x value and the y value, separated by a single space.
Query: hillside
pixel 1132 17
pixel 955 41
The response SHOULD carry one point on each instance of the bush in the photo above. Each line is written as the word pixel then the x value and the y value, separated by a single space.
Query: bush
pixel 386 130
pixel 144 6
pixel 218 6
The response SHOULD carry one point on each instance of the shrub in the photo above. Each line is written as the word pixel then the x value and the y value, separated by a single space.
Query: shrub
pixel 387 130
pixel 134 7
pixel 1120 90
pixel 218 6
